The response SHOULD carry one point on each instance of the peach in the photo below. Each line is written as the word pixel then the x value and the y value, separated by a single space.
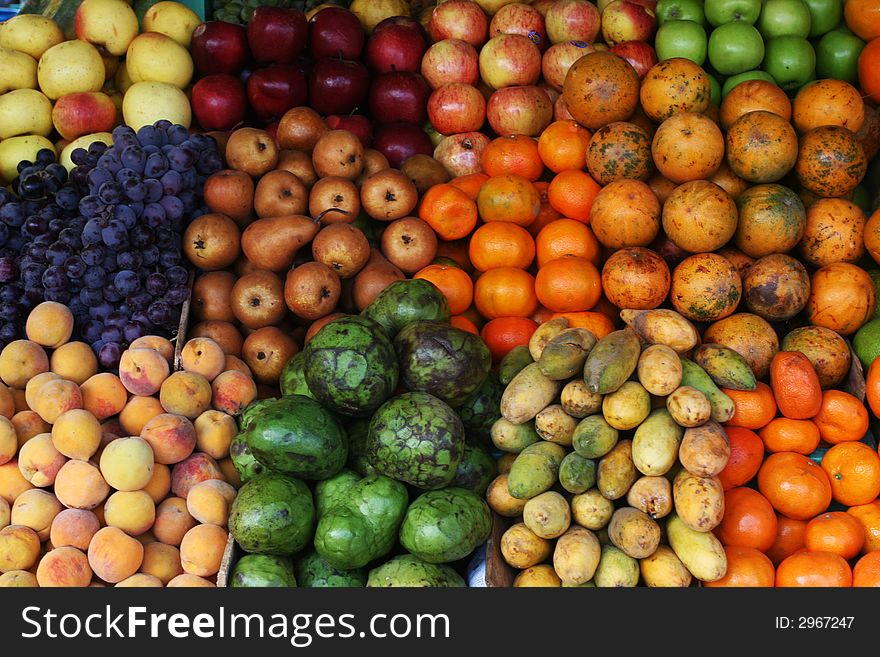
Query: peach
pixel 186 393
pixel 40 461
pixel 113 426
pixel 209 502
pixel 5 513
pixel 137 412
pixel 201 550
pixel 143 370
pixel 7 402
pixel 160 483
pixel 114 555
pixel 12 482
pixel 161 561
pixel 127 463
pixel 74 527
pixel 36 509
pixel 8 440
pixel 74 361
pixel 50 324
pixel 18 579
pixel 104 395
pixel 232 391
pixel 64 566
pixel 56 397
pixel 20 361
pixel 172 521
pixel 19 548
pixel 79 485
pixel 157 343
pixel 106 439
pixel 227 467
pixel 20 399
pixel 131 511
pixel 146 538
pixel 203 356
pixel 141 581
pixel 214 433
pixel 27 425
pixel 33 386
pixel 77 434
pixel 191 471
pixel 236 363
pixel 190 581
pixel 172 437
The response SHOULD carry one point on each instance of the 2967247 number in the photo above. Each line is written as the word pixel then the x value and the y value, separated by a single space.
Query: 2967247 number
pixel 815 622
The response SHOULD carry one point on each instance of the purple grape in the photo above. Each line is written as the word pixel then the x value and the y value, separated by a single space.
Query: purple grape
pixel 154 215
pixel 98 177
pixel 149 135
pixel 111 334
pixel 91 297
pixel 90 330
pixel 159 312
pixel 173 207
pixel 110 192
pixel 166 239
pixel 154 190
pixel 92 255
pixel 110 162
pixel 139 300
pixel 67 198
pixel 128 260
pixel 141 236
pixel 163 124
pixel 140 316
pixel 124 175
pixel 181 159
pixel 150 255
pixel 133 331
pixel 157 165
pixel 177 134
pixel 135 190
pixel 109 355
pixel 126 282
pixel 209 162
pixel 79 156
pixel 111 294
pixel 32 275
pixel 156 284
pixel 58 296
pixel 58 253
pixel 12 214
pixel 134 158
pixel 35 226
pixel 169 259
pixel 177 275
pixel 71 237
pixel 171 183
pixel 115 235
pixel 100 311
pixel 4 234
pixel 75 268
pixel 54 278
pixel 89 206
pixel 8 270
pixel 177 294
pixel 16 242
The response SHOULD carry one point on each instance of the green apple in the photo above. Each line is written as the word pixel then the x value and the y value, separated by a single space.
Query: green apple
pixel 837 56
pixel 25 112
pixel 721 12
pixel 790 60
pixel 734 80
pixel 680 10
pixel 681 39
pixel 735 47
pixel 784 18
pixel 716 90
pixel 16 149
pixel 824 15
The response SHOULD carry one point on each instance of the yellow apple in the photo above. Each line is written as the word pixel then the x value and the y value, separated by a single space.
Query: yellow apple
pixel 147 102
pixel 17 70
pixel 30 33
pixel 122 80
pixel 372 12
pixel 70 67
pixel 111 65
pixel 82 142
pixel 173 19
pixel 25 112
pixel 108 23
pixel 16 149
pixel 154 57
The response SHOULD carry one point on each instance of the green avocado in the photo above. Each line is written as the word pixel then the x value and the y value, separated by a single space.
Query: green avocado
pixel 272 514
pixel 262 571
pixel 406 301
pixel 409 571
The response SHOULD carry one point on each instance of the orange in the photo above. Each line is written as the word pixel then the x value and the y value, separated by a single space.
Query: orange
pixel 745 567
pixel 814 569
pixel 463 323
pixel 746 456
pixel 863 18
pixel 753 408
pixel 789 538
pixel 470 184
pixel 795 486
pixel 563 145
pixel 869 69
pixel 509 197
pixel 546 214
pixel 501 244
pixel 516 154
pixel 505 292
pixel 567 237
pixel 841 417
pixel 785 435
pixel 836 532
pixel 872 380
pixel 568 284
pixel 599 323
pixel 867 570
pixel 572 193
pixel 449 211
pixel 749 520
pixel 453 282
pixel 869 516
pixel 504 333
pixel 854 471
pixel 795 385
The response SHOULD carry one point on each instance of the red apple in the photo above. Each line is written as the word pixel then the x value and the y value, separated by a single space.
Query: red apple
pixel 402 21
pixel 451 60
pixel 83 113
pixel 458 19
pixel 542 6
pixel 525 110
pixel 400 141
pixel 455 108
pixel 559 58
pixel 336 32
pixel 624 20
pixel 399 97
pixel 219 47
pixel 395 48
pixel 572 20
pixel 338 86
pixel 510 60
pixel 520 19
pixel 461 154
pixel 639 54
pixel 277 35
pixel 357 124
pixel 272 129
pixel 219 101
pixel 275 89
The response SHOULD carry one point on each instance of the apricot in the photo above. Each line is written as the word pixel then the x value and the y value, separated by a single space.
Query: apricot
pixel 7 402
pixel 8 440
pixel 106 439
pixel 214 433
pixel 57 397
pixel 114 555
pixel 137 412
pixel 187 580
pixel 161 561
pixel 201 550
pixel 203 356
pixel 140 581
pixel 27 425
pixel 74 361
pixel 112 426
pixel 142 371
pixel 127 463
pixel 80 485
pixel 160 483
pixel 12 481
pixel 232 391
pixel 19 548
pixel 227 467
pixel 5 513
pixel 236 363
pixel 134 512
pixel 186 393
pixel 18 397
pixel 64 566
pixel 146 538
pixel 33 386
pixel 40 461
pixel 36 509
pixel 50 324
pixel 172 521
pixel 77 434
pixel 172 437
pixel 18 579
pixel 20 361
pixel 157 343
pixel 191 471
pixel 104 395
pixel 74 527
pixel 209 502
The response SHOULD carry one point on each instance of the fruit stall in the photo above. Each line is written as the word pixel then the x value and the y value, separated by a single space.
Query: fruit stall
pixel 474 293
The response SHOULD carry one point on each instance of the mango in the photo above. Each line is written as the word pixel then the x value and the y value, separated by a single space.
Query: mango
pixel 555 425
pixel 662 326
pixel 616 569
pixel 564 356
pixel 547 515
pixel 544 334
pixel 522 548
pixel 513 363
pixel 617 472
pixel 576 473
pixel 501 501
pixel 513 438
pixel 578 401
pixel 725 366
pixel 576 556
pixel 700 552
pixel 626 407
pixel 592 509
pixel 527 394
pixel 594 437
pixel 659 370
pixel 612 361
pixel 535 470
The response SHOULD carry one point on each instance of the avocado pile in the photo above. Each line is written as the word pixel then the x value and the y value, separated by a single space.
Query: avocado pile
pixel 372 467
